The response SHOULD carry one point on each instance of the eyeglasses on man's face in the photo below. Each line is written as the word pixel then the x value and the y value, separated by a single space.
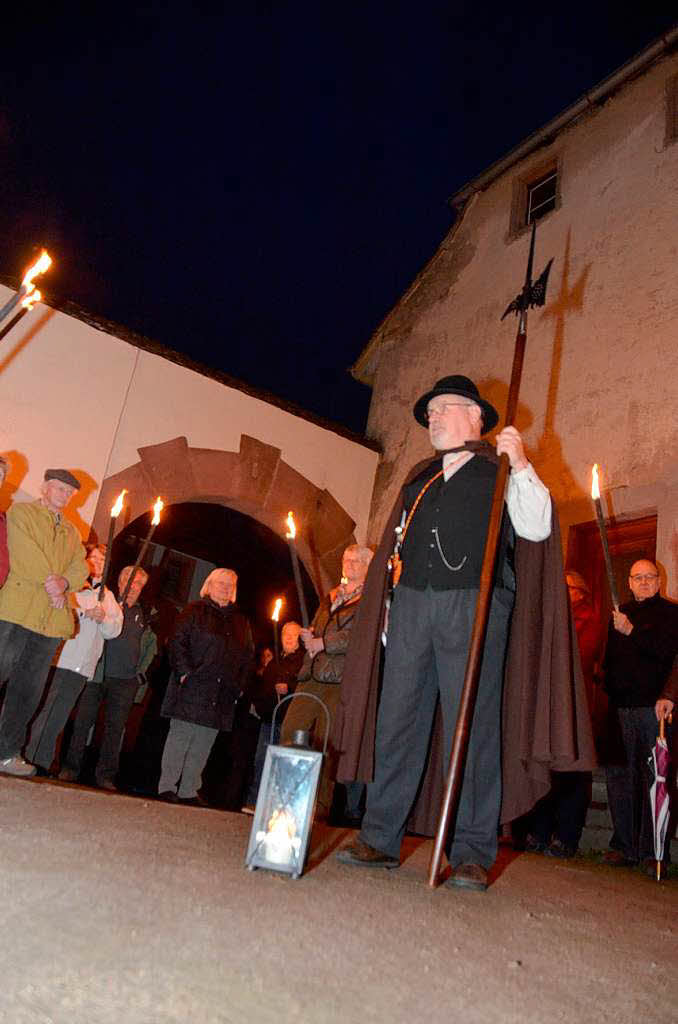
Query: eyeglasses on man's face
pixel 644 577
pixel 443 409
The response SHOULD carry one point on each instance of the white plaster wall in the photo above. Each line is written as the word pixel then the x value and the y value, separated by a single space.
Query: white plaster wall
pixel 211 415
pixel 74 396
pixel 601 372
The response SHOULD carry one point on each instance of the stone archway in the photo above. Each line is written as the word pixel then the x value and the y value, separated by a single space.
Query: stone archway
pixel 254 480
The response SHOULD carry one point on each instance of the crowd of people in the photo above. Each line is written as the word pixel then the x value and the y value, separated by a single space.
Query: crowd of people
pixel 385 653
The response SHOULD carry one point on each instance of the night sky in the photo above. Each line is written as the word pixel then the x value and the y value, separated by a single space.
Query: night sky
pixel 256 189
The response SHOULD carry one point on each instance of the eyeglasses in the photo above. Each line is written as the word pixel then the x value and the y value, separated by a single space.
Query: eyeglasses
pixel 645 577
pixel 430 413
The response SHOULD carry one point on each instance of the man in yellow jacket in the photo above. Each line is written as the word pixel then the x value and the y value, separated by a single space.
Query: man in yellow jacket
pixel 47 561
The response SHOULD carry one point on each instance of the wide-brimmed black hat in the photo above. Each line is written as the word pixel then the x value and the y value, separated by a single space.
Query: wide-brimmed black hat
pixel 64 476
pixel 456 385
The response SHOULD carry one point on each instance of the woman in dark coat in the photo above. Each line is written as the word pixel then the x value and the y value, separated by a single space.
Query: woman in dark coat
pixel 211 653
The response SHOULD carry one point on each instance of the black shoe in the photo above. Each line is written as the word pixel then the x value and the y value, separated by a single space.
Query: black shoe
pixel 360 854
pixel 44 773
pixel 534 845
pixel 469 876
pixel 616 859
pixel 169 796
pixel 68 775
pixel 559 849
pixel 193 801
pixel 107 784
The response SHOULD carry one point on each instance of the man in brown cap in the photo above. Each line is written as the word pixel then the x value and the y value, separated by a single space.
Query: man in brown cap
pixel 47 562
pixel 448 499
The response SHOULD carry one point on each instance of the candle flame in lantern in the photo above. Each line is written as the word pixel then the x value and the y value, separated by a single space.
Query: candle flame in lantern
pixel 291 527
pixel 33 296
pixel 157 509
pixel 117 507
pixel 43 263
pixel 595 489
pixel 282 824
pixel 276 609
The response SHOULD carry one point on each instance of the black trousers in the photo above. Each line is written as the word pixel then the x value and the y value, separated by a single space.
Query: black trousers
pixel 25 660
pixel 426 653
pixel 119 696
pixel 628 785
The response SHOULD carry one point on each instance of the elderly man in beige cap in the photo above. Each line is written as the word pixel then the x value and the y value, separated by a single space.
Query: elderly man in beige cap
pixel 47 560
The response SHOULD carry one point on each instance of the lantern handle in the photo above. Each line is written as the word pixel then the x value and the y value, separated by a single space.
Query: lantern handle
pixel 312 696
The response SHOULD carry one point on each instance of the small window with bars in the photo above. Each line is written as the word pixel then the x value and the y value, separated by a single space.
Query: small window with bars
pixel 541 196
pixel 671 111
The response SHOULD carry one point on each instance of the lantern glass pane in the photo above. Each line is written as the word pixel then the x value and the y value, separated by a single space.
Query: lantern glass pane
pixel 284 812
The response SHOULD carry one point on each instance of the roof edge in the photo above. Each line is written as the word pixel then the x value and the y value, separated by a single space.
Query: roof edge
pixel 139 341
pixel 662 44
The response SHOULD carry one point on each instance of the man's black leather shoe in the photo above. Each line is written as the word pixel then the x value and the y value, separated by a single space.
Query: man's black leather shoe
pixel 469 876
pixel 360 854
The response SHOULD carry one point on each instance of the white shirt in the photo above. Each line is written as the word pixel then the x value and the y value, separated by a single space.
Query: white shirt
pixel 527 499
pixel 82 652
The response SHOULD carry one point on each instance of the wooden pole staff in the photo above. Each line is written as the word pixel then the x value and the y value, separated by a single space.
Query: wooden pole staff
pixel 531 295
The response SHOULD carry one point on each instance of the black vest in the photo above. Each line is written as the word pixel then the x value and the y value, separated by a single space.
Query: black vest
pixel 446 539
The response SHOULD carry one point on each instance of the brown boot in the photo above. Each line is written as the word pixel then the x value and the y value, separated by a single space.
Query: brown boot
pixel 469 876
pixel 360 854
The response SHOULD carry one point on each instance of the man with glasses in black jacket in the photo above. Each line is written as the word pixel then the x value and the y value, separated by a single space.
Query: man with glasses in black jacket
pixel 641 646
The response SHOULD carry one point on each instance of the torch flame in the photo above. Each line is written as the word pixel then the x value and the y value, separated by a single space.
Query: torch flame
pixel 291 527
pixel 157 509
pixel 33 296
pixel 276 610
pixel 595 489
pixel 43 263
pixel 117 507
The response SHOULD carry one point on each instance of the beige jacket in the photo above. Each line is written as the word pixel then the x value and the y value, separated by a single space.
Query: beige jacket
pixel 39 546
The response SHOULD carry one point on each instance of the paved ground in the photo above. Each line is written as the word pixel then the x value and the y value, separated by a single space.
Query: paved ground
pixel 123 910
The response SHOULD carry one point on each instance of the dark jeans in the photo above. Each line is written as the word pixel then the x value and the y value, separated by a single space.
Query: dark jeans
pixel 119 697
pixel 628 785
pixel 428 640
pixel 25 659
pixel 62 696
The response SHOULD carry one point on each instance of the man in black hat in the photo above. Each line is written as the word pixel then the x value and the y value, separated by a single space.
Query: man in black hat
pixel 47 563
pixel 430 622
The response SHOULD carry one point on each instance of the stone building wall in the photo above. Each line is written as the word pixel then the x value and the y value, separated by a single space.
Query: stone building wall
pixel 601 373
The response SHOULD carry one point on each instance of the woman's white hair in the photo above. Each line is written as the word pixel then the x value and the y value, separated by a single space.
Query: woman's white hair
pixel 215 574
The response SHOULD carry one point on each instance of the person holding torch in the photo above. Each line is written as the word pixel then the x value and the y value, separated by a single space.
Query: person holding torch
pixel 322 671
pixel 642 643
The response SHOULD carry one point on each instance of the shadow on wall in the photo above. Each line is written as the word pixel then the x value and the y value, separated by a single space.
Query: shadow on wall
pixel 87 487
pixel 30 332
pixel 18 468
pixel 547 455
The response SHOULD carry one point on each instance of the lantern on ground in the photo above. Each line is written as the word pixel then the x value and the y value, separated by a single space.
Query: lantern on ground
pixel 281 827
